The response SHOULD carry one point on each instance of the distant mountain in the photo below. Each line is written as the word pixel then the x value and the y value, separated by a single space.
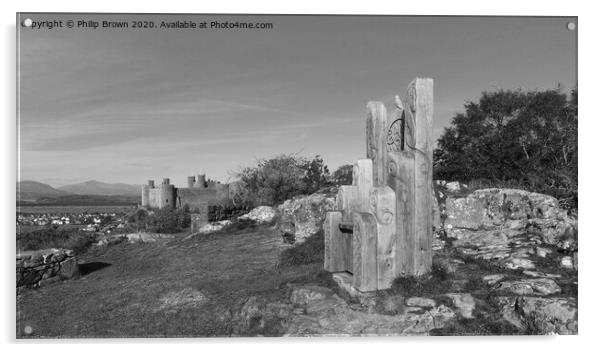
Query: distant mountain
pixel 32 190
pixel 102 189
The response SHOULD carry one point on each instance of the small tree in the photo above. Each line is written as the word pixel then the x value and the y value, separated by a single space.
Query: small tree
pixel 343 175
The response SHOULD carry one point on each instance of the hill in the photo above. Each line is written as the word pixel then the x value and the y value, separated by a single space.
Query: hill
pixel 32 190
pixel 102 189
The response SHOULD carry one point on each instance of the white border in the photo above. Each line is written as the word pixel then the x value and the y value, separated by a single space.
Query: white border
pixel 589 135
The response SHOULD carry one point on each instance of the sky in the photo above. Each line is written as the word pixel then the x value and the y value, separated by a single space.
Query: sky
pixel 128 105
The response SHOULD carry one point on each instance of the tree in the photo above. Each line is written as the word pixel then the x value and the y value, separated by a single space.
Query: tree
pixel 343 175
pixel 529 138
pixel 277 179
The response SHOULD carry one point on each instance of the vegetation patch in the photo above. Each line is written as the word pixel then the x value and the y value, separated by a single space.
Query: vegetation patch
pixel 309 252
pixel 56 237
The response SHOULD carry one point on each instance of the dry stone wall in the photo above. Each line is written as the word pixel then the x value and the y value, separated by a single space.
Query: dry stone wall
pixel 37 268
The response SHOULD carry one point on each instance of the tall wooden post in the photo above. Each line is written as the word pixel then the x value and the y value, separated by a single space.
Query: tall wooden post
pixel 410 173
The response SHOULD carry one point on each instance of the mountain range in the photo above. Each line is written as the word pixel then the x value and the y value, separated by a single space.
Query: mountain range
pixel 33 190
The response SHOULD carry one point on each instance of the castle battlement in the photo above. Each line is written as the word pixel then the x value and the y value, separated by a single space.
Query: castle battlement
pixel 200 192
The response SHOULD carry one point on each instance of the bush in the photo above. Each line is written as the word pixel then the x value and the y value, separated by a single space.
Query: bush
pixel 56 237
pixel 280 178
pixel 164 220
pixel 523 138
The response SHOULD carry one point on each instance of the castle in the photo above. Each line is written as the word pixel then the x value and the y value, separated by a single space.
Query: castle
pixel 200 192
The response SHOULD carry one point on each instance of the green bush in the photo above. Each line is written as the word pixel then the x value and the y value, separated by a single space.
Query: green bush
pixel 514 137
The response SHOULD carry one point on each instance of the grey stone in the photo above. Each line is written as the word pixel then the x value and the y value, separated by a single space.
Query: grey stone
pixel 422 302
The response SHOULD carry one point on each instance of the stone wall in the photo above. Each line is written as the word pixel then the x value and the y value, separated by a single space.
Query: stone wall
pixel 38 268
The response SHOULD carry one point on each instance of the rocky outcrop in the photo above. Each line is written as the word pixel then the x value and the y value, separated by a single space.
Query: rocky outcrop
pixel 512 209
pixel 38 268
pixel 540 315
pixel 261 215
pixel 302 217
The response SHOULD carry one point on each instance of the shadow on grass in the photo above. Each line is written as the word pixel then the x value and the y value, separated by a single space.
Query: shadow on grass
pixel 87 268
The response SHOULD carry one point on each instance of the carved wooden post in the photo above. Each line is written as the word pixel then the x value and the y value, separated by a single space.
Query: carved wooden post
pixel 365 272
pixel 376 141
pixel 410 176
pixel 337 245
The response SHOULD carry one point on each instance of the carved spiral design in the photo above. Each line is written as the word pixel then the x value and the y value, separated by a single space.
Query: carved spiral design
pixel 394 137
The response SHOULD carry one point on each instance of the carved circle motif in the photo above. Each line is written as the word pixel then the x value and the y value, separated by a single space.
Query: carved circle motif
pixel 394 138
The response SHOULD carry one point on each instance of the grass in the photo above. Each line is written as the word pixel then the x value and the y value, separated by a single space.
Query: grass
pixel 125 298
pixel 309 252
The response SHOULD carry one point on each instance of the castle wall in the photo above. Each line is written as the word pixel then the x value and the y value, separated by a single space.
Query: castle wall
pixel 145 195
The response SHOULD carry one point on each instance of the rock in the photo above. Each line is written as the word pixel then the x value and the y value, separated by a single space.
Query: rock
pixel 214 226
pixel 542 286
pixel 519 263
pixel 69 269
pixel 540 315
pixel 455 186
pixel 566 262
pixel 464 302
pixel 540 274
pixel 493 207
pixel 141 237
pixel 493 279
pixel 262 215
pixel 420 302
pixel 306 214
pixel 560 231
pixel 543 252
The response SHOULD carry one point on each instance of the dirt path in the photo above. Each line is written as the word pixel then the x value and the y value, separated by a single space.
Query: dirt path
pixel 185 287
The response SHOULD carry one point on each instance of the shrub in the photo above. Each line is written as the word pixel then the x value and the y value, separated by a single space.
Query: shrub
pixel 524 138
pixel 56 237
pixel 280 178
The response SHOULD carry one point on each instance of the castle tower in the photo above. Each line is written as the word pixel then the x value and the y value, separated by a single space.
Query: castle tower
pixel 167 196
pixel 190 181
pixel 200 181
pixel 151 184
pixel 145 192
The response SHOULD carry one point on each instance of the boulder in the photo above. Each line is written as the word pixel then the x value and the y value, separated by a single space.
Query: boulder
pixel 262 215
pixel 69 269
pixel 540 315
pixel 302 217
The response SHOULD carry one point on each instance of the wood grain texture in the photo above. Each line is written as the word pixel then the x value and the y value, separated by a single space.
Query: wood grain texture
pixel 364 183
pixel 335 246
pixel 423 113
pixel 347 201
pixel 365 272
pixel 376 140
pixel 401 180
pixel 382 200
